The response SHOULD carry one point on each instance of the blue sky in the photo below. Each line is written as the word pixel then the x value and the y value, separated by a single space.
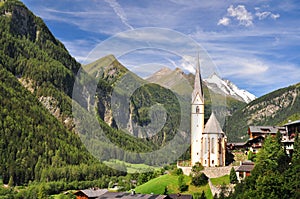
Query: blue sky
pixel 255 44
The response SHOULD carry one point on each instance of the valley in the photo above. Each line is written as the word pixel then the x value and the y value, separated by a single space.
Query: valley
pixel 65 126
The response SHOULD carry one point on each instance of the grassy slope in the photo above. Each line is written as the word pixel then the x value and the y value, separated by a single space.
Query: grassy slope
pixel 221 180
pixel 157 186
pixel 131 168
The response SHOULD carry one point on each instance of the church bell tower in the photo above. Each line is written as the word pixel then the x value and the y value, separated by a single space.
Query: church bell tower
pixel 197 118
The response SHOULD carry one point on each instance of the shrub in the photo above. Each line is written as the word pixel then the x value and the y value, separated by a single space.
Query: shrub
pixel 199 179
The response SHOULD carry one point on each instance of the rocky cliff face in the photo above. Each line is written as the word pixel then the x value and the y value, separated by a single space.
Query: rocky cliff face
pixel 40 62
pixel 269 109
pixel 129 103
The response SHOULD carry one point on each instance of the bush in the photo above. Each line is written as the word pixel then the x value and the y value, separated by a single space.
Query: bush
pixel 199 179
pixel 251 156
pixel 177 171
pixel 181 185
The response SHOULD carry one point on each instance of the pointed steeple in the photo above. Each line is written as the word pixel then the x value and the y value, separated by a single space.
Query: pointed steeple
pixel 198 82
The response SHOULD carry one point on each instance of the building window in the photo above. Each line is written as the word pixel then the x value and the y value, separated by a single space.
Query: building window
pixel 197 153
pixel 205 161
pixel 212 145
pixel 220 145
pixel 197 109
pixel 212 162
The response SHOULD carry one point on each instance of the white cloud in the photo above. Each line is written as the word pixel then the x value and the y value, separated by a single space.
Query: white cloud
pixel 241 14
pixel 266 14
pixel 120 12
pixel 188 63
pixel 275 16
pixel 262 15
pixel 224 21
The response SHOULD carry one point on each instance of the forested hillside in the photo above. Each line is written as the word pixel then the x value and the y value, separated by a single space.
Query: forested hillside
pixel 37 126
pixel 32 140
pixel 275 108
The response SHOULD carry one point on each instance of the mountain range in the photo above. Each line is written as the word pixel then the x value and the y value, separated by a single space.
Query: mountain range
pixel 174 79
pixel 38 131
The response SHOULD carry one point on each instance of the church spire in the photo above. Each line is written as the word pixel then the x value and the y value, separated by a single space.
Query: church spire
pixel 198 82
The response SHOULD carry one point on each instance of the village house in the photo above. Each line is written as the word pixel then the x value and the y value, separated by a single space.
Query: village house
pixel 90 193
pixel 95 193
pixel 244 170
pixel 288 138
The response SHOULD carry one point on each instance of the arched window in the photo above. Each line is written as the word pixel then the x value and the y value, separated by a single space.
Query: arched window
pixel 197 109
pixel 206 145
pixel 212 145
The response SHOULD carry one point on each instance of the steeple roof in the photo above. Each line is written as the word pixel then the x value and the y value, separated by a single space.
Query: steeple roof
pixel 198 82
pixel 213 126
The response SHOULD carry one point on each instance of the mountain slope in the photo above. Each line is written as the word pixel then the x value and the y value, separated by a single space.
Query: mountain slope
pixel 132 105
pixel 274 108
pixel 36 80
pixel 29 133
pixel 176 78
pixel 182 83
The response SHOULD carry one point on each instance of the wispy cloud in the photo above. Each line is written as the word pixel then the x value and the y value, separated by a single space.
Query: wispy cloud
pixel 119 12
pixel 249 41
pixel 265 14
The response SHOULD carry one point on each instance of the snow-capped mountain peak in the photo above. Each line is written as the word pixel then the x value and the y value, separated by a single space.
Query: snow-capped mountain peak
pixel 218 85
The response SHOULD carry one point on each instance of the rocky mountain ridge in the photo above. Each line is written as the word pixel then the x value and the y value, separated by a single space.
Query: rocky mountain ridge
pixel 222 86
pixel 174 78
pixel 275 108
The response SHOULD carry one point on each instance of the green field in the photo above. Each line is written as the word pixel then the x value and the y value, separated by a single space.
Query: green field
pixel 157 186
pixel 131 168
pixel 223 180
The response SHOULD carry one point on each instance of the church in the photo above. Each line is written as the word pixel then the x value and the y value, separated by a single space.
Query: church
pixel 208 141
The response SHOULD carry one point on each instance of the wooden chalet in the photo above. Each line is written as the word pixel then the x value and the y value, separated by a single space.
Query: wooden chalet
pixel 244 170
pixel 288 139
pixel 257 134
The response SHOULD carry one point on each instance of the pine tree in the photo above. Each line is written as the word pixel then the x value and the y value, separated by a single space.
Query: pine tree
pixel 233 177
pixel 202 195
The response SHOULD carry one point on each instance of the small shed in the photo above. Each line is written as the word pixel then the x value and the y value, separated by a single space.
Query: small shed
pixel 244 170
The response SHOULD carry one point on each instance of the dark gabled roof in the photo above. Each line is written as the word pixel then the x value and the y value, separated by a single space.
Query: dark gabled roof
pixel 125 195
pixel 92 193
pixel 179 196
pixel 266 129
pixel 236 143
pixel 293 122
pixel 254 140
pixel 244 168
pixel 248 162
